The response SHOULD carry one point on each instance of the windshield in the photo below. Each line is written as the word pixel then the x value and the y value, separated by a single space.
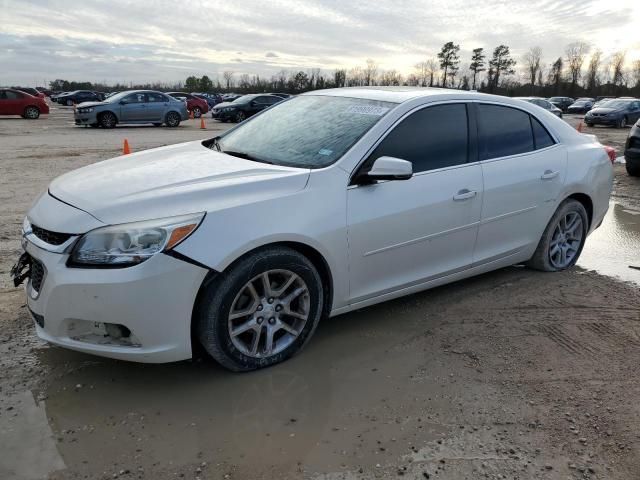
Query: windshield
pixel 244 99
pixel 116 97
pixel 614 103
pixel 307 131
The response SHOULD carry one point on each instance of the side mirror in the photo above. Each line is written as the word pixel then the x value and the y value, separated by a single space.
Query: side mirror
pixel 388 168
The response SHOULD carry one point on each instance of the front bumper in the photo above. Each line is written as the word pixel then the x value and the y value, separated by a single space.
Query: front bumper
pixel 601 120
pixel 90 118
pixel 223 115
pixel 153 300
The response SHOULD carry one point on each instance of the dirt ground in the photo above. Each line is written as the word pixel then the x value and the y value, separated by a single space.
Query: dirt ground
pixel 514 374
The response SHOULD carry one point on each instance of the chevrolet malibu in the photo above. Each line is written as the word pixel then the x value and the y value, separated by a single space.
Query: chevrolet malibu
pixel 326 203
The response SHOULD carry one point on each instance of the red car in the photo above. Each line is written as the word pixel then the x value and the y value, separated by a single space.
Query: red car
pixel 194 104
pixel 15 102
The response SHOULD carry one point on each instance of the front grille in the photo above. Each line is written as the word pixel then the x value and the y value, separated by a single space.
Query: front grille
pixel 37 274
pixel 52 238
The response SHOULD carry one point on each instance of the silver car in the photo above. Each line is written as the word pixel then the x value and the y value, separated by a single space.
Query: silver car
pixel 133 106
pixel 541 102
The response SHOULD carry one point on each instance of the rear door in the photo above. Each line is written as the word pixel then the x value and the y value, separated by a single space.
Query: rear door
pixel 155 107
pixel 402 233
pixel 523 170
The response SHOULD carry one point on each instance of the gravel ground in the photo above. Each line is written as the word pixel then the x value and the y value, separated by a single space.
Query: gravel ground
pixel 513 374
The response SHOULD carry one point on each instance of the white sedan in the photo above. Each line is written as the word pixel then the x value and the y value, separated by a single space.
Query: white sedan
pixel 325 203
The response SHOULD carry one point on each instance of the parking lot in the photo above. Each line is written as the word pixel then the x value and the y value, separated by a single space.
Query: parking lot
pixel 512 374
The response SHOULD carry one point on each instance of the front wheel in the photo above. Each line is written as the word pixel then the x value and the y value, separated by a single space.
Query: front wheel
pixel 31 113
pixel 108 120
pixel 622 123
pixel 563 238
pixel 262 311
pixel 172 120
pixel 240 117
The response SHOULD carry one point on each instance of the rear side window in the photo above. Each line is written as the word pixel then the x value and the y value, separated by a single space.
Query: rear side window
pixel 11 95
pixel 156 97
pixel 503 131
pixel 434 137
pixel 540 135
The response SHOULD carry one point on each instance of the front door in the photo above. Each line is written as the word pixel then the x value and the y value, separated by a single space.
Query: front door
pixel 402 233
pixel 11 102
pixel 133 108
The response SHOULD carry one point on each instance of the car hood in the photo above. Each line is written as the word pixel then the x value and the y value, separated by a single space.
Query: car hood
pixel 603 110
pixel 173 180
pixel 226 104
pixel 91 104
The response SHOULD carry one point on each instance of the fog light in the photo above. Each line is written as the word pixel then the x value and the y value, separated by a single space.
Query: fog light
pixel 117 331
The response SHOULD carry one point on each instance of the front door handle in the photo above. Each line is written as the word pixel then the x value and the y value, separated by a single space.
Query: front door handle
pixel 464 194
pixel 549 174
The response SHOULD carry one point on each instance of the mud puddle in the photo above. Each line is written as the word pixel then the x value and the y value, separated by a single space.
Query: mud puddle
pixel 614 248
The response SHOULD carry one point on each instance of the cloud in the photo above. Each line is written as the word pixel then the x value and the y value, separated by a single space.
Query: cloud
pixel 119 40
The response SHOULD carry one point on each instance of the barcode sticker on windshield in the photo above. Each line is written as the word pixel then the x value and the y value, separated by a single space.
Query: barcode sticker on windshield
pixel 368 110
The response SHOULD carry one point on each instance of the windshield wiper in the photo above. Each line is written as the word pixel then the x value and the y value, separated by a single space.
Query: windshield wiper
pixel 246 156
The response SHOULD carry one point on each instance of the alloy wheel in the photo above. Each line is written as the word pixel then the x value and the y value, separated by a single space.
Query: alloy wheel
pixel 240 116
pixel 173 120
pixel 566 240
pixel 269 313
pixel 197 112
pixel 32 113
pixel 108 120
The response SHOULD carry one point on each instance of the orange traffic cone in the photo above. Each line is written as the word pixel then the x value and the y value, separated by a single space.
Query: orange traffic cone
pixel 579 127
pixel 202 125
pixel 125 148
pixel 191 117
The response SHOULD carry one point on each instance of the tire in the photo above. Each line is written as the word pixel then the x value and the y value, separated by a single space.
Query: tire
pixel 622 123
pixel 555 233
pixel 197 113
pixel 287 270
pixel 108 120
pixel 31 113
pixel 240 117
pixel 69 103
pixel 633 168
pixel 172 119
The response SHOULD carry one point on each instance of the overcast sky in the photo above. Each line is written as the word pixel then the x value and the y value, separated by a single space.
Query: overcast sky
pixel 145 41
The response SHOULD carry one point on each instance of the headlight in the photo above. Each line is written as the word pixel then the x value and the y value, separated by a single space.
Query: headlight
pixel 228 109
pixel 85 110
pixel 132 243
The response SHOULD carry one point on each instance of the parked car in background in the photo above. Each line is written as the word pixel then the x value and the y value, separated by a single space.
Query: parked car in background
pixel 616 113
pixel 77 96
pixel 324 204
pixel 45 91
pixel 196 105
pixel 16 102
pixel 562 102
pixel 243 107
pixel 601 100
pixel 546 104
pixel 31 91
pixel 632 151
pixel 230 97
pixel 281 95
pixel 581 105
pixel 212 99
pixel 134 106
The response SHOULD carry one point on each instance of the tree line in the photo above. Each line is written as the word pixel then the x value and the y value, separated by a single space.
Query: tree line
pixel 581 71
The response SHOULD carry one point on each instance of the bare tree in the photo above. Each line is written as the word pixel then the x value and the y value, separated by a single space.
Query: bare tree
pixel 228 78
pixel 391 78
pixel 575 55
pixel 617 63
pixel 370 72
pixel 422 73
pixel 532 63
pixel 593 70
pixel 340 77
pixel 635 69
pixel 432 71
pixel 356 77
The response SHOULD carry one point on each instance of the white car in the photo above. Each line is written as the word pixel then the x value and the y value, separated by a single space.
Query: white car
pixel 325 203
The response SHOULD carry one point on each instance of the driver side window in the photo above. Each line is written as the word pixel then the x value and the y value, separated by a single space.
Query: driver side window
pixel 431 138
pixel 134 98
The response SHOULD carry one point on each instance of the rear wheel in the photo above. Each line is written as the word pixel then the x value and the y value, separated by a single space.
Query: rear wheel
pixel 31 113
pixel 622 123
pixel 172 120
pixel 108 120
pixel 262 311
pixel 197 112
pixel 563 239
pixel 633 167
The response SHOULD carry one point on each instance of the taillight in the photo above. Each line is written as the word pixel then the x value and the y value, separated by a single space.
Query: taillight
pixel 611 152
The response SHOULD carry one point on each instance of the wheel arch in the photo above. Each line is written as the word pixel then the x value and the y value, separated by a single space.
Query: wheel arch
pixel 315 257
pixel 586 202
pixel 99 115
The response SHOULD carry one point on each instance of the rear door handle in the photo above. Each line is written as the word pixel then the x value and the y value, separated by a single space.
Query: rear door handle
pixel 549 174
pixel 464 194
